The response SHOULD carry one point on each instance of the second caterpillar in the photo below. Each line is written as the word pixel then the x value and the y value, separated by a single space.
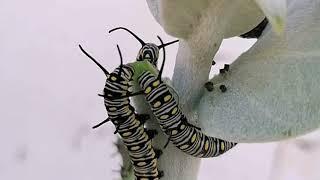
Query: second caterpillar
pixel 173 122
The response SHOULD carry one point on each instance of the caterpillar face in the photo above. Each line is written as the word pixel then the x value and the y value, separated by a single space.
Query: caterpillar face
pixel 149 52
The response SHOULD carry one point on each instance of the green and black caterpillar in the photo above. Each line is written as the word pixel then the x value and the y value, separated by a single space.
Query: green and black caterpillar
pixel 129 124
pixel 173 122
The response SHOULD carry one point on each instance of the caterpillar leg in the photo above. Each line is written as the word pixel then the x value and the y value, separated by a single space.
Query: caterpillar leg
pixel 142 117
pixel 117 129
pixel 128 95
pixel 151 133
pixel 102 95
pixel 196 127
pixel 167 143
pixel 158 153
pixel 161 174
pixel 133 94
pixel 184 120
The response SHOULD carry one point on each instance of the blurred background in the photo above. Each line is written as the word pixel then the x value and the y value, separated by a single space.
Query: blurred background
pixel 49 102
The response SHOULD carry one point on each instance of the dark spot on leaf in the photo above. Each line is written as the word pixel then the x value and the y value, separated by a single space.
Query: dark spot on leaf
pixel 209 86
pixel 223 88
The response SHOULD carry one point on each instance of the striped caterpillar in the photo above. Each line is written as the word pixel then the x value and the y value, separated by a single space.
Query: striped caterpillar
pixel 183 135
pixel 129 124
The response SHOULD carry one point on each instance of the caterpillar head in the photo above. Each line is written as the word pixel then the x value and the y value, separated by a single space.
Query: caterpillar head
pixel 148 51
pixel 118 80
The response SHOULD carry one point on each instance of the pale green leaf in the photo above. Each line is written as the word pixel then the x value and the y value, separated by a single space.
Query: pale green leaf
pixel 274 88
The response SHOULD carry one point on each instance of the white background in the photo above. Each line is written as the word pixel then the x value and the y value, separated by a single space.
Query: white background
pixel 48 99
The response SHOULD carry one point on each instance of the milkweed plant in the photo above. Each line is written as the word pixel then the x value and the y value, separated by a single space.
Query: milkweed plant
pixel 273 89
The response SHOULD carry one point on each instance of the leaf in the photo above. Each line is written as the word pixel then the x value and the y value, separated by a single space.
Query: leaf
pixel 181 18
pixel 273 90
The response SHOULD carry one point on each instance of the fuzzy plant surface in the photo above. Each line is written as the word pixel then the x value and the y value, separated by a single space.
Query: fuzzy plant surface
pixel 272 89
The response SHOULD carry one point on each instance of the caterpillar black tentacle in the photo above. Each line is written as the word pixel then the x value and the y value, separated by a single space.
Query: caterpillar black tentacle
pixel 101 123
pixel 183 135
pixel 94 60
pixel 128 124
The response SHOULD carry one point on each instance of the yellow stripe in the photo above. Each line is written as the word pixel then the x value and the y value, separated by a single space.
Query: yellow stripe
pixel 156 83
pixel 222 146
pixel 141 163
pixel 184 146
pixel 174 110
pixel 113 78
pixel 126 134
pixel 167 98
pixel 134 148
pixel 164 117
pixel 147 91
pixel 157 104
pixel 174 132
pixel 194 137
pixel 206 146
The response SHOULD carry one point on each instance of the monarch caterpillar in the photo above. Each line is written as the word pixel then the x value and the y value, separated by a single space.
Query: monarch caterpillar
pixel 128 124
pixel 183 135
